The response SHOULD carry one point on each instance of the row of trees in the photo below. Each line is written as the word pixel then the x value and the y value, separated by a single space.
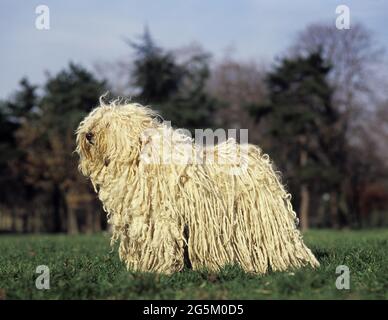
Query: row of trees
pixel 316 111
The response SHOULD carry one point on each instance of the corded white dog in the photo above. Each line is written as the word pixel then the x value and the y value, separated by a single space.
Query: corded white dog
pixel 171 201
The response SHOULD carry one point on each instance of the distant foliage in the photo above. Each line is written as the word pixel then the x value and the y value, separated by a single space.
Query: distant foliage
pixel 176 89
pixel 44 164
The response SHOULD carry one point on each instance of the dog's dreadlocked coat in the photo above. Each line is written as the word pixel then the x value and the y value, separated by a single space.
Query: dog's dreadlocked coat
pixel 209 212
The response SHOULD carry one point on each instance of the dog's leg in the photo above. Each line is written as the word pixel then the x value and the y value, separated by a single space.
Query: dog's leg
pixel 156 246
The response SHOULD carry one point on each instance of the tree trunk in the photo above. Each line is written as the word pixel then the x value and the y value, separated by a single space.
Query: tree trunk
pixel 304 192
pixel 304 207
pixel 71 205
pixel 72 224
pixel 35 221
pixel 13 220
pixel 25 221
pixel 56 222
pixel 89 225
pixel 334 209
pixel 97 220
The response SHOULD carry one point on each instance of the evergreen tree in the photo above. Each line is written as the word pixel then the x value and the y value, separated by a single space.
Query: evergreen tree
pixel 156 74
pixel 177 90
pixel 48 142
pixel 13 113
pixel 305 124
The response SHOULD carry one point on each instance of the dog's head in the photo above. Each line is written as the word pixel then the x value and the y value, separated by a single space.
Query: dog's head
pixel 110 133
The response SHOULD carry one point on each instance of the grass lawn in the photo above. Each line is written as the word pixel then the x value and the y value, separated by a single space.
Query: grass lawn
pixel 84 267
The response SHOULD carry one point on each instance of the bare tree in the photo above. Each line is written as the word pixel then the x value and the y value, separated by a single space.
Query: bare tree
pixel 238 85
pixel 354 54
pixel 356 59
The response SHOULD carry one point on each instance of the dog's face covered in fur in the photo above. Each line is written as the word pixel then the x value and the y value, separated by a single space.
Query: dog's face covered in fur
pixel 110 133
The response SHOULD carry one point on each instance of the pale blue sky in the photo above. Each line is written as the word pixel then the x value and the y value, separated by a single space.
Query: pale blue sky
pixel 86 31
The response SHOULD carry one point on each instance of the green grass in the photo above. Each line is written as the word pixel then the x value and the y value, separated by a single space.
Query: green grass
pixel 83 267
